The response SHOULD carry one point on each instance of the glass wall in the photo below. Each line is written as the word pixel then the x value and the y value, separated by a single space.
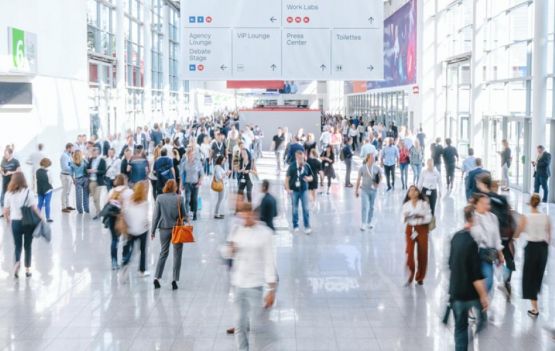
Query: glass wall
pixel 381 107
pixel 101 27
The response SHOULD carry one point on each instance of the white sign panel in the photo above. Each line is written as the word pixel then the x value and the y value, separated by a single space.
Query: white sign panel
pixel 282 39
pixel 266 43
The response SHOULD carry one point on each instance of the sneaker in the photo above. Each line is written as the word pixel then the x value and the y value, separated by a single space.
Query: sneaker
pixel 363 227
pixel 28 274
pixel 70 208
pixel 49 220
pixel 144 274
pixel 66 210
pixel 370 226
pixel 296 229
pixel 307 231
pixel 156 284
pixel 115 265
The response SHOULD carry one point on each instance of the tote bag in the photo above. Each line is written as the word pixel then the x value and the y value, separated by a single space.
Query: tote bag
pixel 182 234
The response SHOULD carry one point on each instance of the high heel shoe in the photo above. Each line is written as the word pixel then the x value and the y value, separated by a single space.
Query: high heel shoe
pixel 174 285
pixel 156 284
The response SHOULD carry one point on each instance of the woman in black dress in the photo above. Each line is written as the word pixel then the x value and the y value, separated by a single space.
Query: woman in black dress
pixel 316 167
pixel 328 158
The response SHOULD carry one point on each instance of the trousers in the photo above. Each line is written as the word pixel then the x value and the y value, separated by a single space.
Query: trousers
pixel 66 189
pixel 248 306
pixel 367 198
pixel 165 241
pixel 82 194
pixel 96 191
pixel 301 196
pixel 421 242
pixel 23 240
pixel 128 250
pixel 390 176
pixel 460 311
pixel 44 201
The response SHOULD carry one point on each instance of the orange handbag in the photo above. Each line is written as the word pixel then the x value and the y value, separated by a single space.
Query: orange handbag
pixel 182 234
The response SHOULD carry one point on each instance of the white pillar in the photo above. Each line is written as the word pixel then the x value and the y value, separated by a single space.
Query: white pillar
pixel 120 66
pixel 166 60
pixel 539 74
pixel 147 59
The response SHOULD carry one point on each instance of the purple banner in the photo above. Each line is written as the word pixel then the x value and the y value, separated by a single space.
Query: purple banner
pixel 399 48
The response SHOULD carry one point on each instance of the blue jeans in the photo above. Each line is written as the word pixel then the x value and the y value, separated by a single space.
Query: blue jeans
pixel 487 271
pixel 23 239
pixel 460 311
pixel 416 170
pixel 248 306
pixel 191 198
pixel 404 167
pixel 44 201
pixel 541 181
pixel 367 198
pixel 128 250
pixel 301 196
pixel 82 194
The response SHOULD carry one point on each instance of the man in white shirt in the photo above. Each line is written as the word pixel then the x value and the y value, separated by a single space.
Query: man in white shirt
pixel 34 161
pixel 325 138
pixel 251 249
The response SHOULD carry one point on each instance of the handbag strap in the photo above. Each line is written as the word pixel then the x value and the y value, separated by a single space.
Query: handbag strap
pixel 180 218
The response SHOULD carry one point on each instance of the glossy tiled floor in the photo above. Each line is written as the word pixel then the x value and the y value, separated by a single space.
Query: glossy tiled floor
pixel 340 289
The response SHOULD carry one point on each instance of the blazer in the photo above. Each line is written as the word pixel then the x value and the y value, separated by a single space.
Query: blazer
pixel 100 171
pixel 543 165
pixel 165 213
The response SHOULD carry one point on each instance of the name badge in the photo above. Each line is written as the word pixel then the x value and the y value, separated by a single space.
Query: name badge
pixel 298 184
pixel 428 193
pixel 243 180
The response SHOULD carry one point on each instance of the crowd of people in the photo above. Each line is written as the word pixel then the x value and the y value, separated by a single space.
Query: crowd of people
pixel 172 162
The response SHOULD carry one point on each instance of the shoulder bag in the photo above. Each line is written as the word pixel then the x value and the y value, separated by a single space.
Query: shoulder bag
pixel 29 217
pixel 181 234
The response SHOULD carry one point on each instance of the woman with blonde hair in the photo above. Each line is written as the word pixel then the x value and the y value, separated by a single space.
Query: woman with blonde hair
pixel 537 227
pixel 169 208
pixel 17 196
pixel 135 213
pixel 81 181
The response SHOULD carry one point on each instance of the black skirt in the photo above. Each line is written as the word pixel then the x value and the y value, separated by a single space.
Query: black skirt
pixel 535 260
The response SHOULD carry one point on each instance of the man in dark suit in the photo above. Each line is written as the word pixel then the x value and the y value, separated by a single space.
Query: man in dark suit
pixel 267 210
pixel 471 187
pixel 437 153
pixel 542 172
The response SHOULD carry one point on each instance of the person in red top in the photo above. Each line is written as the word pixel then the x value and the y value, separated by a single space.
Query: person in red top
pixel 404 161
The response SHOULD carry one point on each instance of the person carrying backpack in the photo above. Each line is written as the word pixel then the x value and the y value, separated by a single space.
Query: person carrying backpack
pixel 163 170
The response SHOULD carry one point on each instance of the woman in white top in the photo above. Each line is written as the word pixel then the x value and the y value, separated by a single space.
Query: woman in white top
pixel 430 184
pixel 219 175
pixel 417 217
pixel 18 195
pixel 485 232
pixel 537 227
pixel 135 212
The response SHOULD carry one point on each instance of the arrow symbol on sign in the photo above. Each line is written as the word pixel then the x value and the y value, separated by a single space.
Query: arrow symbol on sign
pixel 223 67
pixel 371 20
pixel 323 67
pixel 371 68
pixel 273 19
pixel 273 67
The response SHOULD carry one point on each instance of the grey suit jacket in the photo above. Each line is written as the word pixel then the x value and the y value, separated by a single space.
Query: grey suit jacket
pixel 165 212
